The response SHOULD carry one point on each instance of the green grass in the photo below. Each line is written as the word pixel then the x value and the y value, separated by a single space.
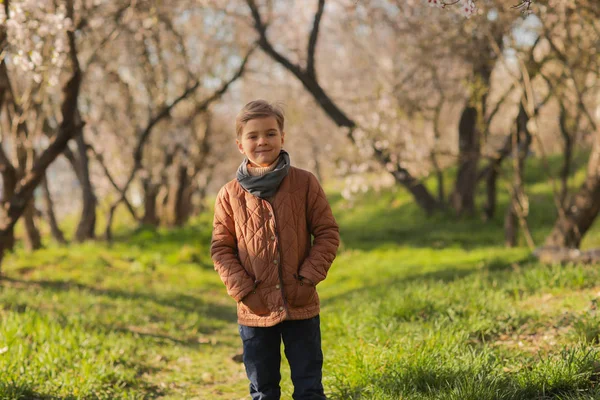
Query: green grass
pixel 413 308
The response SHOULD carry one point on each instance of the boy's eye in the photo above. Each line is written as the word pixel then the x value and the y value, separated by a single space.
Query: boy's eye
pixel 272 134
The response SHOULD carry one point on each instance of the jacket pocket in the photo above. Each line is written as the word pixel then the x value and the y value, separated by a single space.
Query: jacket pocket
pixel 304 293
pixel 253 303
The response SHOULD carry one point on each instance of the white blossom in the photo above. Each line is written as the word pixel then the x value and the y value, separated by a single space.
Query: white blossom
pixel 436 3
pixel 36 57
pixel 32 24
pixel 465 7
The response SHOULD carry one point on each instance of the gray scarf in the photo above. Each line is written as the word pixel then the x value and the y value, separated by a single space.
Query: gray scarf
pixel 266 185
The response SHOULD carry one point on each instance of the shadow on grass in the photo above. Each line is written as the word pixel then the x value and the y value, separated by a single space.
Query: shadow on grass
pixel 407 225
pixel 17 391
pixel 159 337
pixel 20 391
pixel 148 236
pixel 189 244
pixel 182 302
pixel 447 275
pixel 32 395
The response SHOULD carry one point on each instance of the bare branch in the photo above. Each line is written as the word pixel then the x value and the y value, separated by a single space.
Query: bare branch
pixel 163 113
pixel 264 43
pixel 312 41
pixel 564 59
pixel 100 160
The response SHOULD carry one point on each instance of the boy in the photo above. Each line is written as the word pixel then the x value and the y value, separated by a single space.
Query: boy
pixel 261 247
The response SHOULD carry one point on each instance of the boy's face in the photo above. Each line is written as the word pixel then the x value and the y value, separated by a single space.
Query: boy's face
pixel 261 141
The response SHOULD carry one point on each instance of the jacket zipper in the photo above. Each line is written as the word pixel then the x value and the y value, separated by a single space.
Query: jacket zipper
pixel 279 263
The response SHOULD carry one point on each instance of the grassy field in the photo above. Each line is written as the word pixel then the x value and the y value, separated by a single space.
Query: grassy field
pixel 413 308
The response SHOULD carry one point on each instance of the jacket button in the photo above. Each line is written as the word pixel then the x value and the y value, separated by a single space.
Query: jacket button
pixel 272 237
pixel 280 308
pixel 277 286
pixel 275 262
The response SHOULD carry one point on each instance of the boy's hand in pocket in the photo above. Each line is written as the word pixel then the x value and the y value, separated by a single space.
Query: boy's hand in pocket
pixel 254 303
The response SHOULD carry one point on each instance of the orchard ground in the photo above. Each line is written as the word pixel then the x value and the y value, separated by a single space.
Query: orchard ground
pixel 413 308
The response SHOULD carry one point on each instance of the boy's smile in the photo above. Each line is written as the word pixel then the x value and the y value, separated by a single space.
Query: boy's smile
pixel 261 141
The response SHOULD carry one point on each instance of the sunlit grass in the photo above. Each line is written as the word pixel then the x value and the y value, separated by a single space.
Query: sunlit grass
pixel 414 307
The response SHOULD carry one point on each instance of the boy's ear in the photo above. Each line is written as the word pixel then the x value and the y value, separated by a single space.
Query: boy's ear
pixel 239 145
pixel 282 137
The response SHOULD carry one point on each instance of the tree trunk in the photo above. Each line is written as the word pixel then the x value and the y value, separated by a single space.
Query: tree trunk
pixel 16 204
pixel 518 208
pixel 186 202
pixel 72 159
pixel 51 217
pixel 9 183
pixel 109 220
pixel 165 191
pixel 439 174
pixel 463 197
pixel 87 222
pixel 491 173
pixel 489 208
pixel 470 130
pixel 510 226
pixel 571 226
pixel 162 201
pixel 150 193
pixel 568 156
pixel 175 202
pixel 33 240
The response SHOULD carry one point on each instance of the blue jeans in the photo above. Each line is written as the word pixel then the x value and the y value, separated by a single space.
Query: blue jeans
pixel 262 358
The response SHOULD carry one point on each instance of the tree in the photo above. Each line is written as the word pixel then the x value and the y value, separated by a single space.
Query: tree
pixel 15 204
pixel 576 24
pixel 307 76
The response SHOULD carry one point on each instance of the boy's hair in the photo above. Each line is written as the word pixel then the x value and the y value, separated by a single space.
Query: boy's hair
pixel 258 109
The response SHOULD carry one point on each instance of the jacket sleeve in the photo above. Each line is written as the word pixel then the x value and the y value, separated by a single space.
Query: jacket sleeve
pixel 223 250
pixel 325 231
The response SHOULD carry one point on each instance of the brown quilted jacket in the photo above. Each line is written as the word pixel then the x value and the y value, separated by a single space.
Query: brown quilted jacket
pixel 262 249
